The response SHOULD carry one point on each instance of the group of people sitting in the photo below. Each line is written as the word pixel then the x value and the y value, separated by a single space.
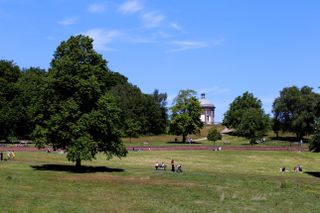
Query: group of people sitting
pixel 162 166
pixel 297 168
pixel 10 155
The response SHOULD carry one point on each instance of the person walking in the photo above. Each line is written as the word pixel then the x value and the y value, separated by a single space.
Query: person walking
pixel 172 165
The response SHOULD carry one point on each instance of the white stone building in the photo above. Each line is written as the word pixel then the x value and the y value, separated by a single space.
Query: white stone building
pixel 207 116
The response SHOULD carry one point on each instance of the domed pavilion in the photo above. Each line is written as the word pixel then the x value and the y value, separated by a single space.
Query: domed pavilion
pixel 207 116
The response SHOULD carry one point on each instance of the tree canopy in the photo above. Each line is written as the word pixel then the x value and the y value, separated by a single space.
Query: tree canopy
pixel 246 115
pixel 295 110
pixel 185 114
pixel 81 116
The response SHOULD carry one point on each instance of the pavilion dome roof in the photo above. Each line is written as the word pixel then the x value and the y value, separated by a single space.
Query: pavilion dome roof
pixel 205 102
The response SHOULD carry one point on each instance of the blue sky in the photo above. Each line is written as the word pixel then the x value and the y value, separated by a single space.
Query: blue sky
pixel 222 48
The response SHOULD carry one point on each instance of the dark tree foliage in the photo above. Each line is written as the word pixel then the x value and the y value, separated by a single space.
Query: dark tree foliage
pixel 31 85
pixel 146 111
pixel 314 145
pixel 295 110
pixel 246 115
pixel 81 116
pixel 10 113
pixel 185 117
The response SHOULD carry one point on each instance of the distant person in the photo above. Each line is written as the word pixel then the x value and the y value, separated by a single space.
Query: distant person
pixel 297 168
pixel 283 169
pixel 8 155
pixel 179 168
pixel 13 155
pixel 163 166
pixel 172 165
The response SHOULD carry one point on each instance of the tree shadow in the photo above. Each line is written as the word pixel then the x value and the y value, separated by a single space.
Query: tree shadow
pixel 74 169
pixel 314 174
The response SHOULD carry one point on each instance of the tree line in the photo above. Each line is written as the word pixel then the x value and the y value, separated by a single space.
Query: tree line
pixel 295 110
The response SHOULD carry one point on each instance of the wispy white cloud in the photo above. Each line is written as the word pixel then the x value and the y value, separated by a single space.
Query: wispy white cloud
pixel 68 21
pixel 152 19
pixel 187 45
pixel 97 8
pixel 102 38
pixel 131 6
pixel 176 26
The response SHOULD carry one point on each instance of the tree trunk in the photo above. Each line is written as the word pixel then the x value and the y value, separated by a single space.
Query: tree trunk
pixel 78 163
pixel 183 138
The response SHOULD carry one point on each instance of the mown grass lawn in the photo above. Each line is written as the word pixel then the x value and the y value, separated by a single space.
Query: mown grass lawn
pixel 226 181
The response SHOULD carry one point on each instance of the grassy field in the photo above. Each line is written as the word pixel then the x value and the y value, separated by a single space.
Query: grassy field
pixel 285 139
pixel 224 181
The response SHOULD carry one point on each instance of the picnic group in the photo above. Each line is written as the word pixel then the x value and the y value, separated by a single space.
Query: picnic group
pixel 162 166
pixel 297 168
pixel 10 155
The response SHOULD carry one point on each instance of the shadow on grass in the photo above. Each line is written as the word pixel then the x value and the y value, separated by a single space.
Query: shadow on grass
pixel 74 169
pixel 314 174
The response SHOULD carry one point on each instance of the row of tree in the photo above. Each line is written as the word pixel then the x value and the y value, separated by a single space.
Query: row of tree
pixel 295 110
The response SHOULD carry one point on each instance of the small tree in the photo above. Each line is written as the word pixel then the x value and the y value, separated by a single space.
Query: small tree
pixel 214 135
pixel 246 115
pixel 132 128
pixel 254 124
pixel 185 117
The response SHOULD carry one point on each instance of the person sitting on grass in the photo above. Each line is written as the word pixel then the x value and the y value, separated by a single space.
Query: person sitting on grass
pixel 156 166
pixel 297 168
pixel 283 169
pixel 163 166
pixel 179 168
pixel 13 155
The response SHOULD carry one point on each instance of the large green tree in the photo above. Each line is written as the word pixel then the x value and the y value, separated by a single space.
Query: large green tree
pixel 247 117
pixel 185 114
pixel 81 115
pixel 295 110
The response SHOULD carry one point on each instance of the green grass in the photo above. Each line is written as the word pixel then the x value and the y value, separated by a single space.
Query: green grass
pixel 284 139
pixel 211 181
